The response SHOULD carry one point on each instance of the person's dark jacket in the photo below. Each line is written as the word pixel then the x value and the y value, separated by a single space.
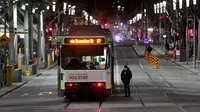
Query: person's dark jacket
pixel 126 76
pixel 167 47
pixel 149 49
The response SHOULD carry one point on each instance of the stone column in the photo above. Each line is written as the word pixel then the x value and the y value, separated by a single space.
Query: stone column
pixel 26 38
pixel 15 33
pixel 12 35
pixel 30 32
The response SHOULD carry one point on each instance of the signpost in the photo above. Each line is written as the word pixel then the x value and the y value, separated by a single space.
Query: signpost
pixel 146 40
pixel 4 40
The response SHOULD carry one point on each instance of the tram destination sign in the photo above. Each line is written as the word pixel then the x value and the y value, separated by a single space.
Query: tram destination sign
pixel 84 40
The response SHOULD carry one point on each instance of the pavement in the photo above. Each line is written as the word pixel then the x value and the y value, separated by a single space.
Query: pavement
pixel 189 66
pixel 170 88
pixel 25 80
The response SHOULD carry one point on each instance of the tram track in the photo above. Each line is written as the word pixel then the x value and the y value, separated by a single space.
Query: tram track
pixel 66 107
pixel 159 89
pixel 132 83
pixel 137 93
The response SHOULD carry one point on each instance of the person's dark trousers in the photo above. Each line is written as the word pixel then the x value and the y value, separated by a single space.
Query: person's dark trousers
pixel 127 89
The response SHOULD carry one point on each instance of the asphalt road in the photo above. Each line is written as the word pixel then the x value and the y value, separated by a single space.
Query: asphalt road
pixel 167 89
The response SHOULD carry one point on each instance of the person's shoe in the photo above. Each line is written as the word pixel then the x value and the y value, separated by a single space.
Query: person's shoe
pixel 128 96
pixel 125 96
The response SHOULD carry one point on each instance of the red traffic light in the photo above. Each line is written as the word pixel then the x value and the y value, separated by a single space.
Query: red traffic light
pixel 50 29
pixel 177 34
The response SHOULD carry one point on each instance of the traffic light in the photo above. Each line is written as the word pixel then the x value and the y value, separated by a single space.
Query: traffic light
pixel 7 54
pixel 50 38
pixel 177 36
pixel 50 31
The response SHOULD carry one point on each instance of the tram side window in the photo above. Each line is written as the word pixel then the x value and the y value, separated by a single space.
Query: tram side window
pixel 107 59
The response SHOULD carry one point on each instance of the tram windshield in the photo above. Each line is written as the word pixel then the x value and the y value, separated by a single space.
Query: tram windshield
pixel 85 57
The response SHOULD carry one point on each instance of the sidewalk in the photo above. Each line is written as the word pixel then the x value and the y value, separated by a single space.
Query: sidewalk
pixel 140 51
pixel 5 90
pixel 189 67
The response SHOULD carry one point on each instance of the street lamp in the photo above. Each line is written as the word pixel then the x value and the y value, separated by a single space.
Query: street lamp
pixel 187 3
pixel 155 8
pixel 48 7
pixel 180 4
pixel 161 7
pixel 158 7
pixel 122 8
pixel 54 6
pixel 164 6
pixel 119 7
pixel 194 2
pixel 65 7
pixel 174 4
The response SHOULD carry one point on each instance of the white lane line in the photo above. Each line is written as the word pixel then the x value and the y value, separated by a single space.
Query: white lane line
pixel 25 94
pixel 141 65
pixel 42 93
pixel 167 85
pixel 117 67
pixel 160 78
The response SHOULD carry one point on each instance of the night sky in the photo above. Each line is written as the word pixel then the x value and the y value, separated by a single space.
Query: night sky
pixel 105 8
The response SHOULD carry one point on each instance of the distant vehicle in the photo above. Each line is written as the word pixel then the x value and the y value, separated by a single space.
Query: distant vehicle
pixel 85 63
pixel 118 37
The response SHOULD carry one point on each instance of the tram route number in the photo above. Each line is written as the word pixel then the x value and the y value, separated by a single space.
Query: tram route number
pixel 78 77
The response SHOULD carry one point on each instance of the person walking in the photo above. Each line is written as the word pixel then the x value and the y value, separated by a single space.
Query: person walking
pixel 126 76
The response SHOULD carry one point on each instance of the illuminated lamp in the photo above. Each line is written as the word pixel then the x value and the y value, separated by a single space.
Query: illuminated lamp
pixel 50 29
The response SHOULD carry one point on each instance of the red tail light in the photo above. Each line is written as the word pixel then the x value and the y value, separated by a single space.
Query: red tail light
pixel 69 85
pixel 100 84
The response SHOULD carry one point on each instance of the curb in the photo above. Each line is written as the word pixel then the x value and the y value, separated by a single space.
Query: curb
pixel 184 67
pixel 179 64
pixel 136 52
pixel 52 66
pixel 17 87
pixel 14 89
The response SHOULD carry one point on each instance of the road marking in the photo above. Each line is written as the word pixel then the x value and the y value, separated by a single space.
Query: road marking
pixel 141 65
pixel 25 94
pixel 42 93
pixel 160 78
pixel 167 85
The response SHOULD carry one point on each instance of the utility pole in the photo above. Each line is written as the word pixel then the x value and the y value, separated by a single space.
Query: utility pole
pixel 194 37
pixel 198 41
pixel 175 28
pixel 187 46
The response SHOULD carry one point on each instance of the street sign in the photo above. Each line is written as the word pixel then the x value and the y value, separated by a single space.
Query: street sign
pixel 4 39
pixel 146 40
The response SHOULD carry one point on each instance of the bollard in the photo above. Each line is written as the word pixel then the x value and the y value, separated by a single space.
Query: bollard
pixel 156 64
pixel 7 61
pixel 166 56
pixel 9 76
pixel 49 60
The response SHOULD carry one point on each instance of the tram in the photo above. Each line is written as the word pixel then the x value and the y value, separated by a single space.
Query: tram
pixel 85 62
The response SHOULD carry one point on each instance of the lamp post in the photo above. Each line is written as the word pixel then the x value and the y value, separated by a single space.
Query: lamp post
pixel 187 46
pixel 174 26
pixel 194 36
